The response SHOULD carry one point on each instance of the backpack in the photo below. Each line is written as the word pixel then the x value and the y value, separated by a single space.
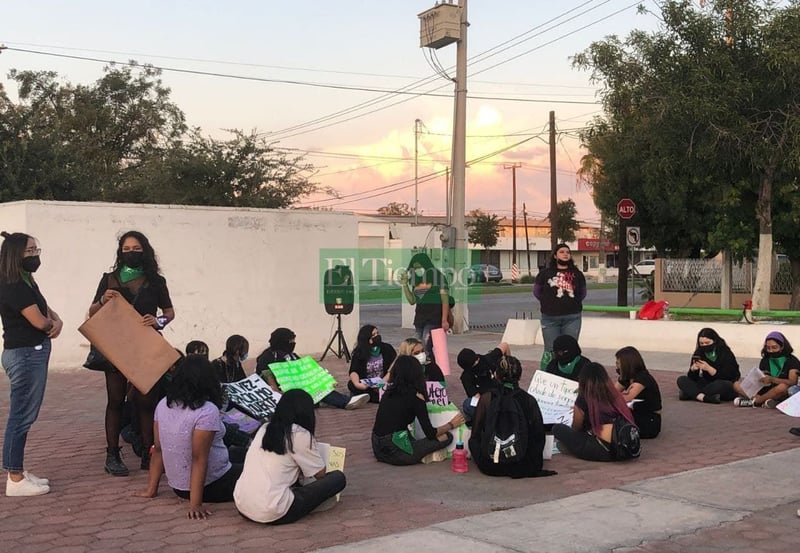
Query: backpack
pixel 625 443
pixel 505 435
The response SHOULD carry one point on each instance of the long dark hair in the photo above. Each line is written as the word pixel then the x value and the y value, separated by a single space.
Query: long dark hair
pixel 361 351
pixel 236 344
pixel 432 275
pixel 149 261
pixel 554 262
pixel 711 334
pixel 630 363
pixel 294 407
pixel 194 382
pixel 596 388
pixel 781 339
pixel 408 378
pixel 11 253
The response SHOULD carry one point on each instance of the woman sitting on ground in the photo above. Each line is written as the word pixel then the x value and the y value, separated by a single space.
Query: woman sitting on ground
pixel 597 406
pixel 188 434
pixel 780 369
pixel 404 401
pixel 282 451
pixel 229 365
pixel 712 370
pixel 636 383
pixel 370 363
pixel 281 349
pixel 567 360
pixel 415 348
pixel 508 374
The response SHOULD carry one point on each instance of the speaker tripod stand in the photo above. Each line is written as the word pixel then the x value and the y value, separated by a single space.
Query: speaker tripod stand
pixel 341 347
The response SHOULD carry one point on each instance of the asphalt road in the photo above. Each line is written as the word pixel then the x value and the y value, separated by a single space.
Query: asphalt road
pixel 491 310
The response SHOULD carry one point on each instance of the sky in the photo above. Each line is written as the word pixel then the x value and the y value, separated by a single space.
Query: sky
pixel 288 70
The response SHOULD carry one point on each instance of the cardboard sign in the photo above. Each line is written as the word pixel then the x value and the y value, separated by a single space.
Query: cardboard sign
pixel 304 374
pixel 138 351
pixel 556 396
pixel 252 396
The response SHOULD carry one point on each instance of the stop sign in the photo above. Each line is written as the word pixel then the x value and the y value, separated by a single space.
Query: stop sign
pixel 626 208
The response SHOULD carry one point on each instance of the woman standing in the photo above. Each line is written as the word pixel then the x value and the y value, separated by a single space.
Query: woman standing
pixel 371 360
pixel 282 451
pixel 426 287
pixel 135 277
pixel 598 405
pixel 403 402
pixel 28 326
pixel 189 446
pixel 712 370
pixel 560 289
pixel 636 383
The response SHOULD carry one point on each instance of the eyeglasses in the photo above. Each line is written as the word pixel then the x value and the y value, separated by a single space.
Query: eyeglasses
pixel 33 251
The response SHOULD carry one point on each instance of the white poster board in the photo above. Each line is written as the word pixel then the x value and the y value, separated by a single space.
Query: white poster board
pixel 791 406
pixel 751 383
pixel 555 395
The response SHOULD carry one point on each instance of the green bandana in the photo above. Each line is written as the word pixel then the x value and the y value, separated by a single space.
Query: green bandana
pixel 375 351
pixel 26 276
pixel 711 355
pixel 127 274
pixel 569 367
pixel 402 440
pixel 776 366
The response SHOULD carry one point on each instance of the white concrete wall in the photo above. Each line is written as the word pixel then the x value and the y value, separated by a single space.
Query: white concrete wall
pixel 229 271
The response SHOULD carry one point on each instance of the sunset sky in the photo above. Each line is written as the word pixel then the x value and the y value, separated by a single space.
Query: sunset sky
pixel 361 141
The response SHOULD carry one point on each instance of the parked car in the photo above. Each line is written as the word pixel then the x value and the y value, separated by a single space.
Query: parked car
pixel 643 268
pixel 485 273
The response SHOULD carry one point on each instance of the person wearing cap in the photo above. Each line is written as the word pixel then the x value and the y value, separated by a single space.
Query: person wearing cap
pixel 478 374
pixel 567 359
pixel 780 369
pixel 560 289
pixel 282 342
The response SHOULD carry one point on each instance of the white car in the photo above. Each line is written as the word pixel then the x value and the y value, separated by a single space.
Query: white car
pixel 643 268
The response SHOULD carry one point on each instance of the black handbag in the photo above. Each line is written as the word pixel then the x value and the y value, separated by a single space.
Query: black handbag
pixel 96 361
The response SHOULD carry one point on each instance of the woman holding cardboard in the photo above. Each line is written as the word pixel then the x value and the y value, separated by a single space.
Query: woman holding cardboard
pixel 136 278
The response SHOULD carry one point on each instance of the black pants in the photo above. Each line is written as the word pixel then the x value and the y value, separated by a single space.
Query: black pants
pixel 387 452
pixel 582 444
pixel 374 396
pixel 220 490
pixel 309 497
pixel 649 424
pixel 691 388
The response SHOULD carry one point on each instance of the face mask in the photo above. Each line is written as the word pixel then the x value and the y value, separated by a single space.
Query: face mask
pixel 775 354
pixel 421 357
pixel 290 347
pixel 243 357
pixel 31 263
pixel 133 259
pixel 420 272
pixel 376 340
pixel 706 349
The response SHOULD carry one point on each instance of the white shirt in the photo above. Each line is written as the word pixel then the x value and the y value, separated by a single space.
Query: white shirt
pixel 263 492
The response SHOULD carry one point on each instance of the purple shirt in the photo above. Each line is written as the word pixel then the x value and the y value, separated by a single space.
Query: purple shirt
pixel 176 425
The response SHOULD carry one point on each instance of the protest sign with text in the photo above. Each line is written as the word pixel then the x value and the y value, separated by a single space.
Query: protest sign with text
pixel 252 396
pixel 555 395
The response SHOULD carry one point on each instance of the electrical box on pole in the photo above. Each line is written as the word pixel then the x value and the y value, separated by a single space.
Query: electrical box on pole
pixel 440 26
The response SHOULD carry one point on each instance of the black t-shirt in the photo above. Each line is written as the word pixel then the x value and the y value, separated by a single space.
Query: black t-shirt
pixel 650 396
pixel 791 364
pixel 480 379
pixel 145 296
pixel 17 331
pixel 396 412
pixel 428 291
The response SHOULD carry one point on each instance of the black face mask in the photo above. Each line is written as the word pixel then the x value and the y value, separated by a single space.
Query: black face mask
pixel 706 349
pixel 290 347
pixel 376 340
pixel 31 263
pixel 133 260
pixel 775 354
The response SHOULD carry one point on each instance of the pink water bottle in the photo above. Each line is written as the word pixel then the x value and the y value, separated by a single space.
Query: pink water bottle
pixel 460 458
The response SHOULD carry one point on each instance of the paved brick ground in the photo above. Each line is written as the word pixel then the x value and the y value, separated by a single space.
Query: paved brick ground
pixel 88 510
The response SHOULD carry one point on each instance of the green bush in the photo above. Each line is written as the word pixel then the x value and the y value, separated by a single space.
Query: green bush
pixel 527 279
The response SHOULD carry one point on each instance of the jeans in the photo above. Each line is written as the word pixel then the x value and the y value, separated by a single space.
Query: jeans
pixel 582 444
pixel 468 409
pixel 424 335
pixel 309 497
pixel 27 374
pixel 554 326
pixel 335 399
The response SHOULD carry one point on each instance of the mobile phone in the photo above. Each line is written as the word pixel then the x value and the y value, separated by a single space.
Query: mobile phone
pixel 162 321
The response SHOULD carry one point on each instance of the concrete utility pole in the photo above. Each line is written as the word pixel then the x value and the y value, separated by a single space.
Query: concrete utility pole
pixel 513 167
pixel 417 123
pixel 459 161
pixel 553 185
pixel 527 240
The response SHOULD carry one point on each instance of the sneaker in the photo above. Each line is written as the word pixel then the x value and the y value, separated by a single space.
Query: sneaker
pixel 114 465
pixel 795 430
pixel 25 488
pixel 770 404
pixel 356 402
pixel 743 402
pixel 35 479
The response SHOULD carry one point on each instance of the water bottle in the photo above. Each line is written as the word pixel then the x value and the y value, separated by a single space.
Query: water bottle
pixel 460 458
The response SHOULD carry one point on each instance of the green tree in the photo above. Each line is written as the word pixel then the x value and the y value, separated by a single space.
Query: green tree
pixel 483 229
pixel 396 208
pixel 699 118
pixel 568 223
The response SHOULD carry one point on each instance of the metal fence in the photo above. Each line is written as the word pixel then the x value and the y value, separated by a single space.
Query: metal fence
pixel 705 275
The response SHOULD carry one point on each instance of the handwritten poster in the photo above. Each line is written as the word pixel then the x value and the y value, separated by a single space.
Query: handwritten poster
pixel 304 374
pixel 334 460
pixel 555 395
pixel 252 396
pixel 437 396
pixel 791 406
pixel 751 383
